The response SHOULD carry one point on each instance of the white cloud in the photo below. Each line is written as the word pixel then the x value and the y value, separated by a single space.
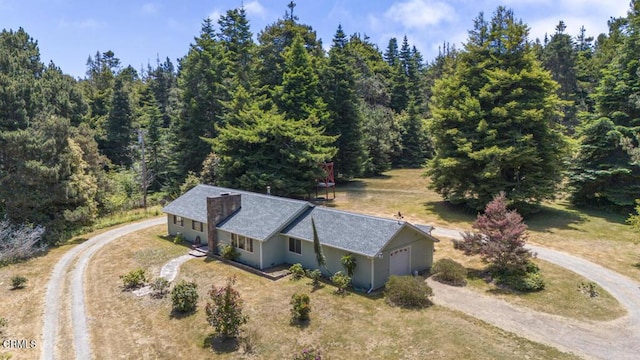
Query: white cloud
pixel 255 8
pixel 150 8
pixel 419 14
pixel 81 24
pixel 215 16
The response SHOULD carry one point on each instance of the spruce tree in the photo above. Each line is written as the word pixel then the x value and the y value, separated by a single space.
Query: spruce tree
pixel 344 111
pixel 265 149
pixel 118 129
pixel 604 173
pixel 201 81
pixel 492 120
pixel 298 97
pixel 559 57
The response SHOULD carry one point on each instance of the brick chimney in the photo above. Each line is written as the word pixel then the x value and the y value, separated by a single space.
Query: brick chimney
pixel 218 209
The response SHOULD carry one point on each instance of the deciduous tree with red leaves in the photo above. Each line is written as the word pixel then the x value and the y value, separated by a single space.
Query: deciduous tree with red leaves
pixel 499 237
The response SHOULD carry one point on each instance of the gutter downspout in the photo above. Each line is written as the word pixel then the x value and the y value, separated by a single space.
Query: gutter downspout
pixel 372 279
pixel 261 254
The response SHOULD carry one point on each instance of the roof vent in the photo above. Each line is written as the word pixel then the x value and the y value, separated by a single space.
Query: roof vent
pixel 225 194
pixel 268 190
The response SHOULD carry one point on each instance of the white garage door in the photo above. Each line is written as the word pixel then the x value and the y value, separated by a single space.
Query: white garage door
pixel 400 261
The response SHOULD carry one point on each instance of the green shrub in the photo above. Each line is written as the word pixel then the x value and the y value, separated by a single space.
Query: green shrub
pixel 179 238
pixel 300 306
pixel 315 276
pixel 341 281
pixel 229 252
pixel 160 286
pixel 450 272
pixel 528 279
pixel 184 296
pixel 525 283
pixel 134 279
pixel 297 271
pixel 348 262
pixel 18 282
pixel 408 292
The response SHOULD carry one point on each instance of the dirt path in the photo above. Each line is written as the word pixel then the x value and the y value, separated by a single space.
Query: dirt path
pixel 80 255
pixel 618 339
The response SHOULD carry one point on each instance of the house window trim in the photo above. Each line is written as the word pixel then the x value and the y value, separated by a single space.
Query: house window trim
pixel 178 220
pixel 248 244
pixel 195 228
pixel 297 241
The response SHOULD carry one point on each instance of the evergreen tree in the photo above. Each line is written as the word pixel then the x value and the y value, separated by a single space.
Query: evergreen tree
pixel 236 38
pixel 559 57
pixel 273 41
pixel 61 95
pixel 201 81
pixel 492 118
pixel 150 121
pixel 604 173
pixel 298 98
pixel 413 139
pixel 265 149
pixel 20 66
pixel 45 179
pixel 342 104
pixel 118 129
pixel 382 138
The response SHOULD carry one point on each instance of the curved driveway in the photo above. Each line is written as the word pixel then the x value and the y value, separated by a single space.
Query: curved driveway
pixel 80 254
pixel 617 339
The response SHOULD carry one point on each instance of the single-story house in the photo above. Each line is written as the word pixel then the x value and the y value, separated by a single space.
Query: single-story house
pixel 270 230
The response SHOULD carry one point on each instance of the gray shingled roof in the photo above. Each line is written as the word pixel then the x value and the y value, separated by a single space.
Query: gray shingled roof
pixel 361 234
pixel 259 217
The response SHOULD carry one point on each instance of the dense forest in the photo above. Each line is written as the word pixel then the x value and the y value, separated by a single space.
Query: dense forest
pixel 532 118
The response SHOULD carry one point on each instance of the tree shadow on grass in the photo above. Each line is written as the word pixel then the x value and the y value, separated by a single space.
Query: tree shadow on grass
pixel 476 274
pixel 300 324
pixel 221 344
pixel 450 212
pixel 175 314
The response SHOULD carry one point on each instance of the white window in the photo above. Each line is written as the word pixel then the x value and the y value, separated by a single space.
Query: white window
pixel 295 245
pixel 196 225
pixel 178 220
pixel 242 242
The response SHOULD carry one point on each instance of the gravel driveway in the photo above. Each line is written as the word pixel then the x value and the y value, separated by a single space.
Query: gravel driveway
pixel 618 339
pixel 80 255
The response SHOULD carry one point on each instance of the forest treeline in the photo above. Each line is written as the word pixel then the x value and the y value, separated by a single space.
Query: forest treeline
pixel 502 113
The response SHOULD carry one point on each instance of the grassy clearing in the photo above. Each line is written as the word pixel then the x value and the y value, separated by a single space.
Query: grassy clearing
pixel 600 237
pixel 341 327
pixel 23 307
pixel 560 297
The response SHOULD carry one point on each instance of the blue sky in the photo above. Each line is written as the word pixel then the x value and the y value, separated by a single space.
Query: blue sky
pixel 137 31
